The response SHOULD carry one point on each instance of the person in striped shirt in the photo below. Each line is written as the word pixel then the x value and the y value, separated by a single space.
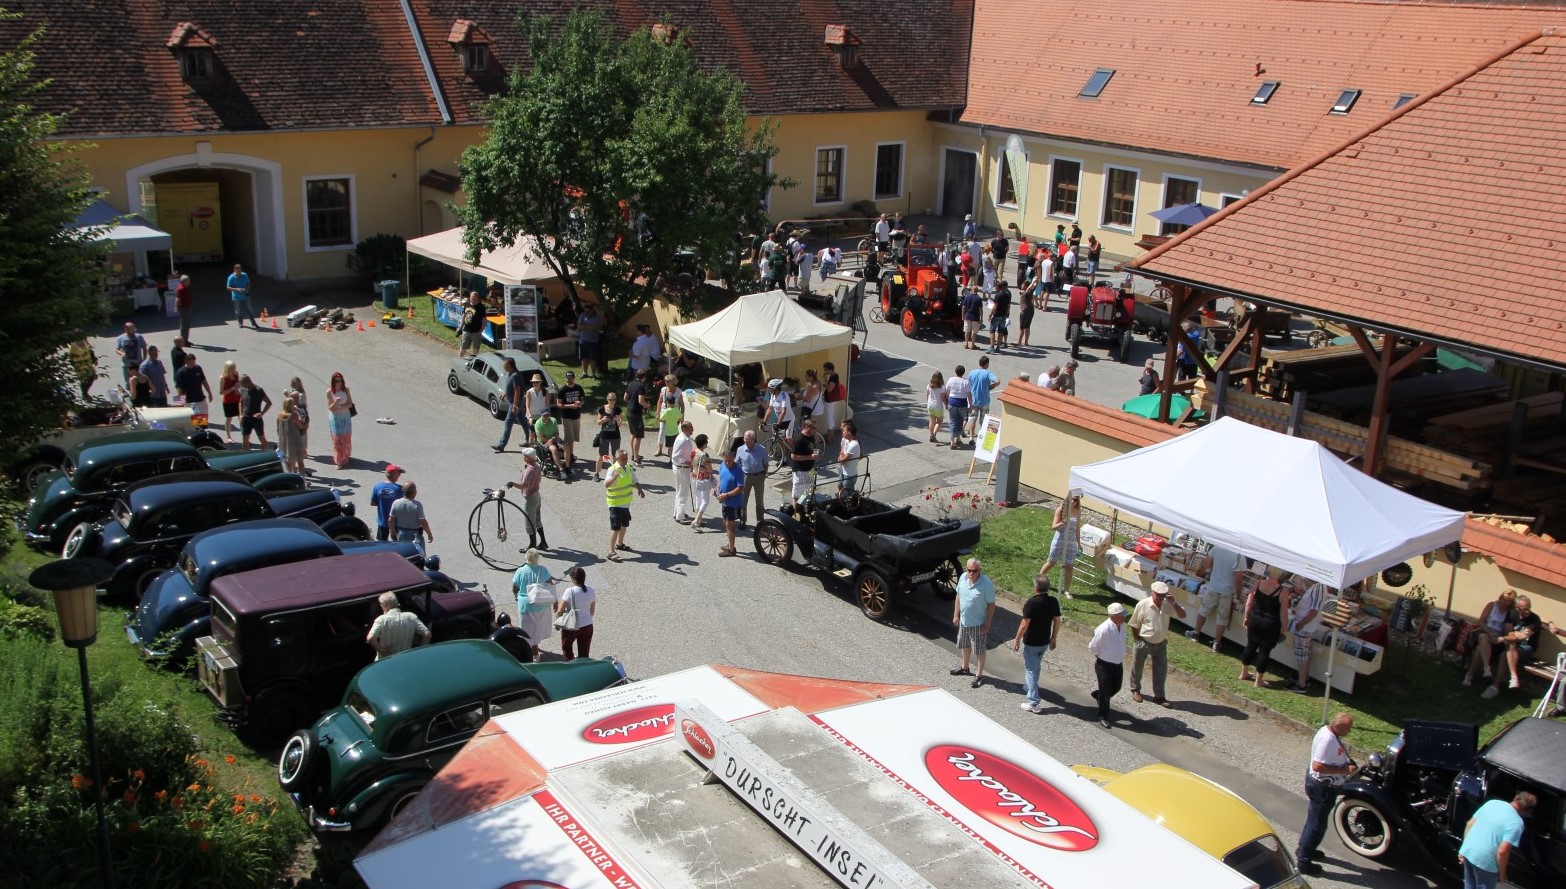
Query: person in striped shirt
pixel 395 630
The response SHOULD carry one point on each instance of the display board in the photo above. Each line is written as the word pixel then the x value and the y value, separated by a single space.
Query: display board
pixel 522 313
pixel 986 443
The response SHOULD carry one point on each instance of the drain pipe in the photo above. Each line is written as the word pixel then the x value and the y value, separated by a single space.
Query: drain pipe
pixel 418 205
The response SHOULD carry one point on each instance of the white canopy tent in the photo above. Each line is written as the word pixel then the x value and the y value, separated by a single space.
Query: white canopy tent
pixel 517 264
pixel 127 232
pixel 1287 501
pixel 759 327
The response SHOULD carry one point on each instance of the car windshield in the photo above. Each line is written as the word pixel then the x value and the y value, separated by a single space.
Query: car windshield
pixel 1263 861
pixel 362 709
pixel 123 514
pixel 188 566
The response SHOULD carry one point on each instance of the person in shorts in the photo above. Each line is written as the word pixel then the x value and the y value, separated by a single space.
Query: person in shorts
pixel 731 497
pixel 570 397
pixel 973 609
pixel 1216 602
pixel 253 405
pixel 619 485
pixel 471 328
pixel 637 401
pixel 972 317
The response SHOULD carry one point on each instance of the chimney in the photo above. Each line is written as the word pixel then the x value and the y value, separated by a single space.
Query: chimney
pixel 845 45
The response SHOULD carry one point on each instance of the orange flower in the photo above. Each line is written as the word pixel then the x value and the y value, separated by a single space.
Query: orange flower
pixel 80 782
pixel 238 809
pixel 139 775
pixel 133 827
pixel 206 846
pixel 161 795
pixel 194 788
pixel 203 763
pixel 229 759
pixel 177 803
pixel 239 797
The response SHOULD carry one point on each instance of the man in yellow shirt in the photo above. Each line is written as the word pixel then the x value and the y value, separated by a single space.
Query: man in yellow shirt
pixel 619 482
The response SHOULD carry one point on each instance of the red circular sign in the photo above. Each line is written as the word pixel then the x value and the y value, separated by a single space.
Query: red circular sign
pixel 203 213
pixel 629 726
pixel 698 739
pixel 1011 798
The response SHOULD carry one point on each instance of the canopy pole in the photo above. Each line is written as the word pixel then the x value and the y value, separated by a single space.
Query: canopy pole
pixel 1332 649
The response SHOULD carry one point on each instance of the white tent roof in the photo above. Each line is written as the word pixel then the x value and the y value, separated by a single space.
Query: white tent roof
pixel 517 264
pixel 128 232
pixel 1286 501
pixel 760 327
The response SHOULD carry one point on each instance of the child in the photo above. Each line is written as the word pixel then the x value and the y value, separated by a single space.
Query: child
pixel 669 417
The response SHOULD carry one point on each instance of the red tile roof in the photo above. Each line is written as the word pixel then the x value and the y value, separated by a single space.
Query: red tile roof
pixel 280 65
pixel 911 54
pixel 1185 73
pixel 1524 553
pixel 1115 423
pixel 1444 221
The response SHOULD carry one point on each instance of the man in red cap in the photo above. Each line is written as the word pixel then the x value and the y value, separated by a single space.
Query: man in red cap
pixel 382 496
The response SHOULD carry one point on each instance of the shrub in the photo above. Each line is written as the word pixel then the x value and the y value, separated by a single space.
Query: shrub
pixel 385 256
pixel 25 620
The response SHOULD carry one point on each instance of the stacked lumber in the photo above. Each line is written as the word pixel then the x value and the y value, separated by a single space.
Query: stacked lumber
pixel 1402 456
pixel 1315 370
pixel 1482 431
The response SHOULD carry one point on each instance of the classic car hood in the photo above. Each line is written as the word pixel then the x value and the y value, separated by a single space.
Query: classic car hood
pixel 50 498
pixel 344 742
pixel 244 462
pixel 167 605
pixel 409 551
pixel 294 503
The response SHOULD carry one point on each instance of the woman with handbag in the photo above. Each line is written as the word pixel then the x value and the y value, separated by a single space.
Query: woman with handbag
pixel 702 481
pixel 574 616
pixel 339 420
pixel 534 589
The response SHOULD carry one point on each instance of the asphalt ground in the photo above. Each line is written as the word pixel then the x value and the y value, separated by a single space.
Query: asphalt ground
pixel 673 603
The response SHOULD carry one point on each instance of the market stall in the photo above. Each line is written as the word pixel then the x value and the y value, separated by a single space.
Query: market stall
pixel 769 329
pixel 1287 503
pixel 527 280
pixel 134 237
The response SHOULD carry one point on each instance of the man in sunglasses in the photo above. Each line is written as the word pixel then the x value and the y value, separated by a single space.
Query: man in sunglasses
pixel 972 612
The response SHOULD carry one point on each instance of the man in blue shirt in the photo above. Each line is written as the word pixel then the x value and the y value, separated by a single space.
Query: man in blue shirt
pixel 980 382
pixel 752 460
pixel 731 485
pixel 158 375
pixel 972 612
pixel 382 496
pixel 239 291
pixel 972 317
pixel 1488 840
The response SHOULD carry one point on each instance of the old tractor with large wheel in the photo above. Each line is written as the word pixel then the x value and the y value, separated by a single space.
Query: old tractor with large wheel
pixel 914 293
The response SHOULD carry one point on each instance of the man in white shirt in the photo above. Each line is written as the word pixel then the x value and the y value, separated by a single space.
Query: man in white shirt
pixel 883 234
pixel 1304 621
pixel 828 258
pixel 957 392
pixel 1108 647
pixel 848 454
pixel 680 460
pixel 1047 378
pixel 1068 265
pixel 645 351
pixel 1217 596
pixel 1329 766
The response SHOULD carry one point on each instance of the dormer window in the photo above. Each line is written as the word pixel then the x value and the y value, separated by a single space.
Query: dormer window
pixel 844 45
pixel 475 58
pixel 195 64
pixel 195 49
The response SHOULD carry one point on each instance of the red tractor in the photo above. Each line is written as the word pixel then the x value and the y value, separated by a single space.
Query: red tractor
pixel 914 293
pixel 1104 314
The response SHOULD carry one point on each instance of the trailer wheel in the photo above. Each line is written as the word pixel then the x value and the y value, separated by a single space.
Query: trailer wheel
pixel 773 542
pixel 874 594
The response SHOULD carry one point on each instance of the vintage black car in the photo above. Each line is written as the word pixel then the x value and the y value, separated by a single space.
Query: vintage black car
pixel 175 610
pixel 94 473
pixel 1419 796
pixel 152 521
pixel 885 548
pixel 110 417
pixel 405 717
pixel 287 639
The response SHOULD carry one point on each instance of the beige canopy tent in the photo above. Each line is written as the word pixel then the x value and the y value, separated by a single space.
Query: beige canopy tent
pixel 518 264
pixel 763 327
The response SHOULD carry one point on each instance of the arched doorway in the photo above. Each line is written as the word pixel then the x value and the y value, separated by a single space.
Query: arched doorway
pixel 229 206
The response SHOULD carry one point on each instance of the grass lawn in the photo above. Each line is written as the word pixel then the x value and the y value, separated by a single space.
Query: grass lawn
pixel 1411 684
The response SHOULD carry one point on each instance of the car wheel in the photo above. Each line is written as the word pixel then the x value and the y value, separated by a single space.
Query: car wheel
pixel 1363 827
pixel 144 578
pixel 297 763
pixel 453 384
pixel 945 580
pixel 495 410
pixel 30 474
pixel 401 803
pixel 277 713
pixel 910 324
pixel 79 542
pixel 773 542
pixel 874 594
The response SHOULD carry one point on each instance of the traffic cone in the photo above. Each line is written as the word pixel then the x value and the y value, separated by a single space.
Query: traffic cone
pixel 410 311
pixel 264 315
pixel 361 325
pixel 372 322
pixel 327 327
pixel 274 323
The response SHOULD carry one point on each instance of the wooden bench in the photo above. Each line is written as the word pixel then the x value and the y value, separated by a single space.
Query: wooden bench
pixel 1547 673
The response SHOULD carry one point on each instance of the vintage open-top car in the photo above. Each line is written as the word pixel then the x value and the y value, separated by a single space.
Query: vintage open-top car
pixel 95 472
pixel 405 717
pixel 1419 796
pixel 287 639
pixel 108 417
pixel 153 520
pixel 176 610
pixel 885 548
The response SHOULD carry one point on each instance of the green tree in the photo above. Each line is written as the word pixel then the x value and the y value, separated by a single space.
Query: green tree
pixel 46 295
pixel 617 153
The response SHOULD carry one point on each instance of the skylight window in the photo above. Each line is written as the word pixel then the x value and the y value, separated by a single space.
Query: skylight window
pixel 1404 99
pixel 1264 93
pixel 1096 83
pixel 1346 100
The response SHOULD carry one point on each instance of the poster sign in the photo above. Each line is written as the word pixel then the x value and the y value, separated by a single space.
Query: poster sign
pixel 522 308
pixel 988 443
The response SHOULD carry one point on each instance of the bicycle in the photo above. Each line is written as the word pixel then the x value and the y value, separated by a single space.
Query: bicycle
pixel 780 448
pixel 494 523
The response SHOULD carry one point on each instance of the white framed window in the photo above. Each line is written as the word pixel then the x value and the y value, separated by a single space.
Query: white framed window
pixel 1120 184
pixel 330 218
pixel 1065 184
pixel 1225 199
pixel 889 169
pixel 1179 190
pixel 830 162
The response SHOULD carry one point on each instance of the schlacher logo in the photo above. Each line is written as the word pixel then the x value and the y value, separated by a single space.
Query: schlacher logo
pixel 629 726
pixel 697 737
pixel 1011 798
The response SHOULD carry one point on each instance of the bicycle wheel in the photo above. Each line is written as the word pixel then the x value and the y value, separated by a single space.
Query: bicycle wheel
pixel 777 455
pixel 497 533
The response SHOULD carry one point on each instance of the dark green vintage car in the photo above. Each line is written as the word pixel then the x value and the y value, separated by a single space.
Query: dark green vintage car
pixel 405 717
pixel 96 472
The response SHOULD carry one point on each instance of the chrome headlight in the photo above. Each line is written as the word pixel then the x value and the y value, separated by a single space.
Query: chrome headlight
pixel 1376 761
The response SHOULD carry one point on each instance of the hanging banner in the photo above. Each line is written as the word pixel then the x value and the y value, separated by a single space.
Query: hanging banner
pixel 1017 157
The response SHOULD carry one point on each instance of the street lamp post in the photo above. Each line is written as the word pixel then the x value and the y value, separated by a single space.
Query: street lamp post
pixel 74 583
